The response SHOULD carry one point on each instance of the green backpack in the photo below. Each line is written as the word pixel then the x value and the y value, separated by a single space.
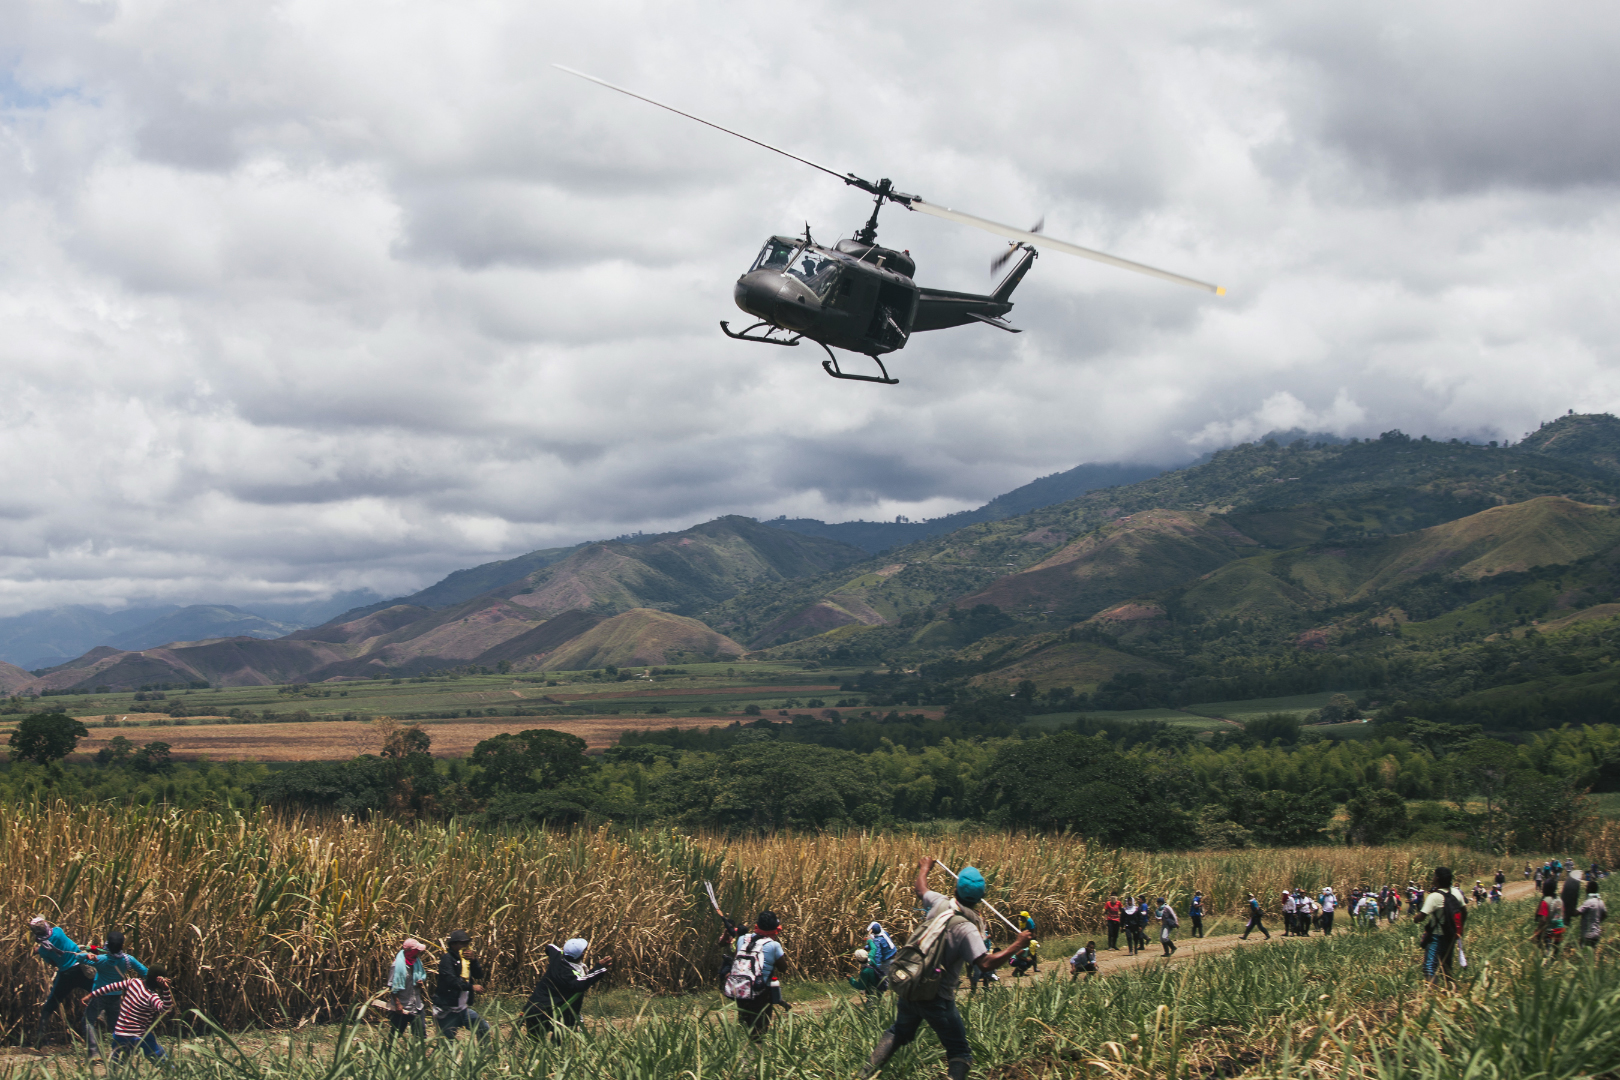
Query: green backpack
pixel 918 967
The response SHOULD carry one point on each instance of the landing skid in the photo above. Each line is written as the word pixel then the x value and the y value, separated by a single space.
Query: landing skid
pixel 830 366
pixel 764 339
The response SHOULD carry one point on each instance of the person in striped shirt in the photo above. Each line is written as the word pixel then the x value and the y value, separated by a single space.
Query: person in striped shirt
pixel 146 999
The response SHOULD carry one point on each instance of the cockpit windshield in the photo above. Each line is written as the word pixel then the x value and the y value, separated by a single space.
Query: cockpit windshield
pixel 774 256
pixel 816 270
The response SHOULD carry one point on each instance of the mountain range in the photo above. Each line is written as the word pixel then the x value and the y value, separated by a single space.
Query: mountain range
pixel 1276 553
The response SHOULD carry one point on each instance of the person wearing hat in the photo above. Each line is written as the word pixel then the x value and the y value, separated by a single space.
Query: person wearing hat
pixel 73 972
pixel 878 951
pixel 1255 917
pixel 112 965
pixel 1329 904
pixel 405 982
pixel 459 982
pixel 964 944
pixel 560 994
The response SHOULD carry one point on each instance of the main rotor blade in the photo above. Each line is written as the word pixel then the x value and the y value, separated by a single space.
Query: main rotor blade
pixel 705 123
pixel 1047 242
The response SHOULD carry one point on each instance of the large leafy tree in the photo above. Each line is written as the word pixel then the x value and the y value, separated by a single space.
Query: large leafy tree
pixel 1079 782
pixel 46 736
pixel 528 761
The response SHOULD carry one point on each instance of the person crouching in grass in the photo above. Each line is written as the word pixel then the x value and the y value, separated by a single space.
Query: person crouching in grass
pixel 145 999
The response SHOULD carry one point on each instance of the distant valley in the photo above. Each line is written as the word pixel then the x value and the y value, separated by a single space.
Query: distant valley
pixel 1270 568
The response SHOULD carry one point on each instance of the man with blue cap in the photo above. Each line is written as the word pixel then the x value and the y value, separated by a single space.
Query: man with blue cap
pixel 964 944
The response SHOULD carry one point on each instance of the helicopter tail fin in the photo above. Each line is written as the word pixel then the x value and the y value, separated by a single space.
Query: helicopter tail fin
pixel 1003 292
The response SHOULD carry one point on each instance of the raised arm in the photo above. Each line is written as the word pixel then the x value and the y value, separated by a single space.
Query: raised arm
pixel 924 868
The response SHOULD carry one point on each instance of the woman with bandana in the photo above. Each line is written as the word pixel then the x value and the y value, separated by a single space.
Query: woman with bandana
pixel 405 984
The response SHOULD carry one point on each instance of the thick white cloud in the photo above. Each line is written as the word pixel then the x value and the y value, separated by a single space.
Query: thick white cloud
pixel 298 297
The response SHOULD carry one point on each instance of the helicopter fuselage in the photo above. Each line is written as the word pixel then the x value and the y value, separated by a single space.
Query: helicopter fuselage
pixel 853 296
pixel 856 296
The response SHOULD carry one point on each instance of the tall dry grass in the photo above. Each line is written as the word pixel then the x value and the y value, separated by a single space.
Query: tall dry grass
pixel 275 919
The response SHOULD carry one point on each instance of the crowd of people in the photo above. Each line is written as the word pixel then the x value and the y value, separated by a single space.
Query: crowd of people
pixel 923 973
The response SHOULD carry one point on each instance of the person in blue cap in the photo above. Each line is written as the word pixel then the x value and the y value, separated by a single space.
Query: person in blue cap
pixel 964 944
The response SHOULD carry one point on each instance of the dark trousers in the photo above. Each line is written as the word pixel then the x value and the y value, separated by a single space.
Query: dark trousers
pixel 1327 922
pixel 942 1016
pixel 755 1015
pixel 1198 926
pixel 68 984
pixel 401 1022
pixel 1113 933
pixel 1256 924
pixel 452 1021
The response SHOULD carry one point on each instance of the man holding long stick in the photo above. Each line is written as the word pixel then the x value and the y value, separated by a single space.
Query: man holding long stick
pixel 963 938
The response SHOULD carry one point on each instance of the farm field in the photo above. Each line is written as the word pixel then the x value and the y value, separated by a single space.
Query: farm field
pixel 1177 717
pixel 1242 710
pixel 339 893
pixel 339 740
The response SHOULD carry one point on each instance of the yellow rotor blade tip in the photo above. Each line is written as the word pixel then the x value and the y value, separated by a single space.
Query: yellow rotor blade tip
pixel 1220 290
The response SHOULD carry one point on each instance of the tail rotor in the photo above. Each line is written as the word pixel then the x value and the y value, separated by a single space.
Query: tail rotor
pixel 1012 249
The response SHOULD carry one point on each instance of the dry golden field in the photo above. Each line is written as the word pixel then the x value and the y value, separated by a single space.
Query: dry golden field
pixel 276 919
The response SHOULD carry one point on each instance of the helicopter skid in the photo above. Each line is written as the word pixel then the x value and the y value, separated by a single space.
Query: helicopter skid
pixel 748 334
pixel 830 366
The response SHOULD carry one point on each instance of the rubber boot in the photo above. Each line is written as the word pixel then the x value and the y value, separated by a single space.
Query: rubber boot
pixel 957 1068
pixel 881 1053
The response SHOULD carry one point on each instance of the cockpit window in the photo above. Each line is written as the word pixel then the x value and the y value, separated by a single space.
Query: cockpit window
pixel 816 270
pixel 774 256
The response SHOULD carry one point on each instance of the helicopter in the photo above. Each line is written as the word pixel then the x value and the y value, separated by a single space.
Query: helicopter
pixel 861 297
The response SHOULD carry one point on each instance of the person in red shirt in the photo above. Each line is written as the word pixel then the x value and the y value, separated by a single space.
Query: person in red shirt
pixel 1111 915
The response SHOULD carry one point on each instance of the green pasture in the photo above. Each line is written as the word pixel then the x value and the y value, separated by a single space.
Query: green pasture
pixel 721 689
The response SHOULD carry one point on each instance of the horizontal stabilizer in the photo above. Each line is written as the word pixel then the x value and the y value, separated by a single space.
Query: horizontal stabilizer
pixel 997 323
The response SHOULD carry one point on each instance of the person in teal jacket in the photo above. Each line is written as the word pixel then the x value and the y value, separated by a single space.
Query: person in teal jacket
pixel 73 973
pixel 111 965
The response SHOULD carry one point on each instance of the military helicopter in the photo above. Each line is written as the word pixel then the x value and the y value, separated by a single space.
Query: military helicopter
pixel 861 297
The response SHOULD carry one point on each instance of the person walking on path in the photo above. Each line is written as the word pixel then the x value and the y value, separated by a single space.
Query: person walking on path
pixel 1255 915
pixel 144 1001
pixel 457 987
pixel 1570 893
pixel 112 965
pixel 1550 919
pixel 1444 913
pixel 1128 922
pixel 1288 913
pixel 1592 913
pixel 72 971
pixel 560 994
pixel 1197 913
pixel 963 944
pixel 406 979
pixel 1167 923
pixel 1112 912
pixel 1501 879
pixel 759 951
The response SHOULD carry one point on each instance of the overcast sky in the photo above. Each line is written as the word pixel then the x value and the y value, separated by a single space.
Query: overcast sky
pixel 307 296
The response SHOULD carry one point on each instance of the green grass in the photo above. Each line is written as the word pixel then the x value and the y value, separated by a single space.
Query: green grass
pixel 1243 710
pixel 1168 716
pixel 724 688
pixel 1607 805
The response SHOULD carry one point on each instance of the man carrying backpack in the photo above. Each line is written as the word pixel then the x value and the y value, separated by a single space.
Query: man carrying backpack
pixel 750 983
pixel 1444 913
pixel 924 973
